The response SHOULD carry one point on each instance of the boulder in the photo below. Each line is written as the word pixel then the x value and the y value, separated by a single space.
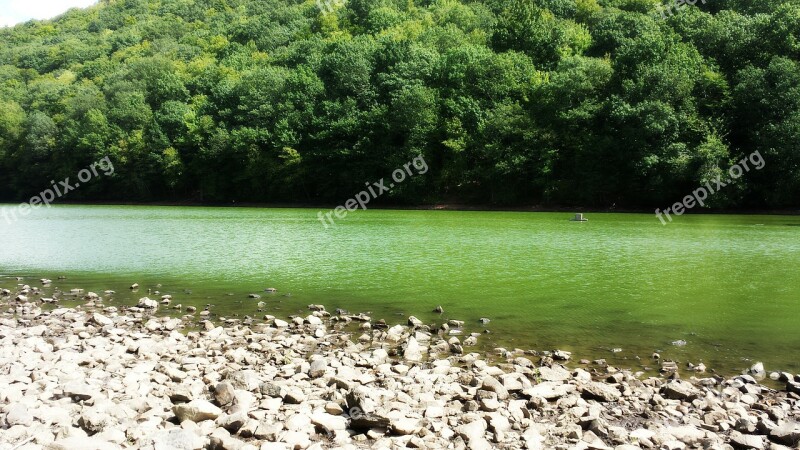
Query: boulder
pixel 680 390
pixel 196 411
pixel 746 441
pixel 600 392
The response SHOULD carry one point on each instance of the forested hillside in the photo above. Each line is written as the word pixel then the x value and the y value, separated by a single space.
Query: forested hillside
pixel 553 102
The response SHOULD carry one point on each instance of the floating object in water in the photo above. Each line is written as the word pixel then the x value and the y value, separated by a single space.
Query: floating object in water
pixel 679 343
pixel 579 218
pixel 270 290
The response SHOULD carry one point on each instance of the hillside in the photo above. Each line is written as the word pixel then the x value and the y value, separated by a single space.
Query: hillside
pixel 554 102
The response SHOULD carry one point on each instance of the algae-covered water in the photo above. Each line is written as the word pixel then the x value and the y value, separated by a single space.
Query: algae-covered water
pixel 725 284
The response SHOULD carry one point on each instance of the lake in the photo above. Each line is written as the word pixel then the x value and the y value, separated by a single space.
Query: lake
pixel 725 284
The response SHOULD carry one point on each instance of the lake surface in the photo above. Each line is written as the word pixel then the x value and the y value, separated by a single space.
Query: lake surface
pixel 727 285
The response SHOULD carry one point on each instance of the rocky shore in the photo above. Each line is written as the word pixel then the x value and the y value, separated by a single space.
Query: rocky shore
pixel 99 377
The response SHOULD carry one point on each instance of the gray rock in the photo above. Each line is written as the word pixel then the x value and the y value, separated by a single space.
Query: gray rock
pixel 18 415
pixel 600 391
pixel 787 434
pixel 196 411
pixel 272 390
pixel 178 439
pixel 232 422
pixel 147 303
pixel 492 384
pixel 294 396
pixel 224 393
pixel 746 441
pixel 82 443
pixel 680 390
pixel 413 351
pixel 318 368
pixel 78 390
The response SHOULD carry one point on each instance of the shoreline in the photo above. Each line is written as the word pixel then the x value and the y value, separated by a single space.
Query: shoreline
pixel 425 207
pixel 98 376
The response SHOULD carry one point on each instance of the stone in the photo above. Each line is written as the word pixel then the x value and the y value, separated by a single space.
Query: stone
pixel 600 391
pixel 472 431
pixel 787 434
pixel 101 320
pixel 492 384
pixel 78 390
pixel 746 441
pixel 680 390
pixel 18 415
pixel 328 422
pixel 318 368
pixel 81 443
pixel 147 303
pixel 196 411
pixel 562 355
pixel 224 393
pixel 178 439
pixel 413 351
pixel 294 396
pixel 414 322
pixel 404 426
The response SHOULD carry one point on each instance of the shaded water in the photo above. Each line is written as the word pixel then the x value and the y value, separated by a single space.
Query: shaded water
pixel 727 285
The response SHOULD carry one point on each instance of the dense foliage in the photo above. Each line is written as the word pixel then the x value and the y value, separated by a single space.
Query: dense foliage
pixel 559 102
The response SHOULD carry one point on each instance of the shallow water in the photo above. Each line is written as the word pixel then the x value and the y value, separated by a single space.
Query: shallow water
pixel 725 284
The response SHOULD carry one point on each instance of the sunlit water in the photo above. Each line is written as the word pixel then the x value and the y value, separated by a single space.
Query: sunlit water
pixel 727 285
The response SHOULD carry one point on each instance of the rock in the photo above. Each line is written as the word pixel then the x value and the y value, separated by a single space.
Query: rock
pixel 318 368
pixel 600 391
pixel 81 443
pixel 232 422
pixel 18 415
pixel 562 355
pixel 414 322
pixel 135 286
pixel 549 390
pixel 93 420
pixel 78 391
pixel 438 309
pixel 278 323
pixel 101 320
pixel 147 303
pixel 757 370
pixel 413 351
pixel 493 385
pixel 746 441
pixel 473 431
pixel 680 390
pixel 178 439
pixel 405 426
pixel 294 396
pixel 224 393
pixel 484 320
pixel 196 411
pixel 328 422
pixel 787 434
pixel 366 421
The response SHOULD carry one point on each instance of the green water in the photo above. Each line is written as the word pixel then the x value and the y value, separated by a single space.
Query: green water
pixel 727 285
